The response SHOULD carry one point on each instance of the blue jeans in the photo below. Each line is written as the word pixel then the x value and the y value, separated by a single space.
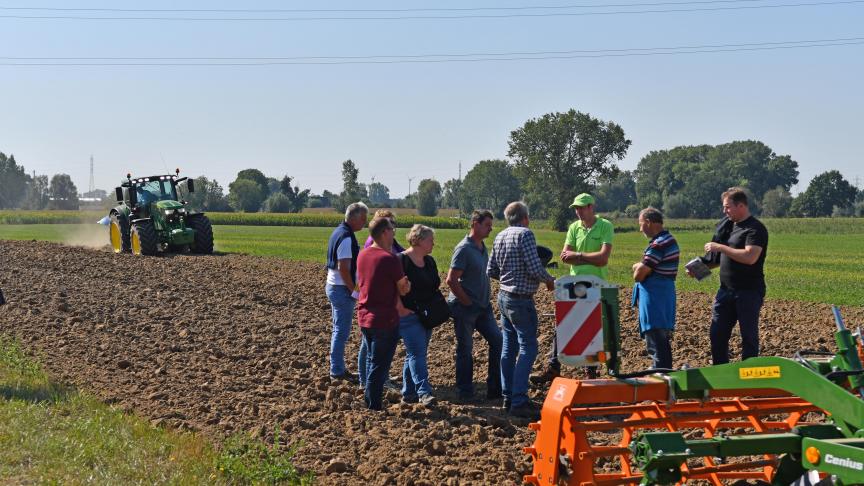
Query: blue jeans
pixel 362 361
pixel 730 306
pixel 415 373
pixel 519 322
pixel 342 306
pixel 381 344
pixel 466 321
pixel 659 346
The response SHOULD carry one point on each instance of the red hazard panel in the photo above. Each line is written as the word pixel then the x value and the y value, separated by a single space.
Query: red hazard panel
pixel 562 308
pixel 586 333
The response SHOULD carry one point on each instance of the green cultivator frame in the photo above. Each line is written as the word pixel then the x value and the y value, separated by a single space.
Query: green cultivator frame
pixel 775 420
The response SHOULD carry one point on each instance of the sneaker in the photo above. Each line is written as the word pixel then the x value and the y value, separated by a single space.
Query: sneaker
pixel 527 410
pixel 546 377
pixel 410 399
pixel 465 397
pixel 506 404
pixel 427 400
pixel 392 384
pixel 494 396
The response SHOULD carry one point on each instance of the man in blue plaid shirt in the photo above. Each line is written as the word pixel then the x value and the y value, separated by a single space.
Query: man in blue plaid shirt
pixel 515 264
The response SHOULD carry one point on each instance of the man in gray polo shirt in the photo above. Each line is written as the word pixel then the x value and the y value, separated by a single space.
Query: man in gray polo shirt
pixel 471 309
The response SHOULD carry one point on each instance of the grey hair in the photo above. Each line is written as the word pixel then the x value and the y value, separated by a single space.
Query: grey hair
pixel 418 233
pixel 652 215
pixel 355 209
pixel 515 212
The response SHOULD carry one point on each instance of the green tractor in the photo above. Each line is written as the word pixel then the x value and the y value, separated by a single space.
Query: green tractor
pixel 151 218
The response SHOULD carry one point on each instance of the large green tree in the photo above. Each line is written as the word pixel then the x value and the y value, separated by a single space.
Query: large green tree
pixel 776 203
pixel 428 197
pixel 491 185
pixel 208 195
pixel 701 173
pixel 297 199
pixel 379 194
pixel 37 193
pixel 560 155
pixel 617 192
pixel 13 182
pixel 245 195
pixel 258 178
pixel 826 190
pixel 62 193
pixel 451 193
pixel 352 190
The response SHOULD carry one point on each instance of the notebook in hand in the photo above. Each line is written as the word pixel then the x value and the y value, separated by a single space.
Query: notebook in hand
pixel 698 268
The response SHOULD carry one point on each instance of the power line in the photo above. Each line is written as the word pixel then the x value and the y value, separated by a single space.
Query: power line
pixel 425 58
pixel 790 43
pixel 373 10
pixel 434 17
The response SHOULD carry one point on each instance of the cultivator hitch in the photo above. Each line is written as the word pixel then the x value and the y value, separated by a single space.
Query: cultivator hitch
pixel 773 420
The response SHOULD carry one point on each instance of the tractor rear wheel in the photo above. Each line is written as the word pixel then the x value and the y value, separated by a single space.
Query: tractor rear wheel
pixel 203 242
pixel 144 240
pixel 119 234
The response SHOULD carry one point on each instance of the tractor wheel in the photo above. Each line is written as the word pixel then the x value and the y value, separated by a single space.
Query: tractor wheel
pixel 119 234
pixel 203 242
pixel 144 240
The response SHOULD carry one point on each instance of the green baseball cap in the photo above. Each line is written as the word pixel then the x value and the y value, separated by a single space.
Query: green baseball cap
pixel 582 200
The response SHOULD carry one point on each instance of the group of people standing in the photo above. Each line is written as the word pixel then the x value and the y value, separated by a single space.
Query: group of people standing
pixel 393 286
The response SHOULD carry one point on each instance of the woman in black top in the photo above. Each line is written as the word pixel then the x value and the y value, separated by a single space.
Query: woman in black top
pixel 422 272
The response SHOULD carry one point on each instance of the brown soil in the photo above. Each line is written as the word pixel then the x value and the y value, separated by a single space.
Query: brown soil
pixel 231 343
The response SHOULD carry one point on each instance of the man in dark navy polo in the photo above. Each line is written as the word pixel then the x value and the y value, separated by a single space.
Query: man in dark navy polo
pixel 342 251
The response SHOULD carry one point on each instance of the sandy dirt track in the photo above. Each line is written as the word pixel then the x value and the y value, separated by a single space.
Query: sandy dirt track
pixel 230 343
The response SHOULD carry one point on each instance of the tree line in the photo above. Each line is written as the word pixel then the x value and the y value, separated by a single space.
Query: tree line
pixel 550 159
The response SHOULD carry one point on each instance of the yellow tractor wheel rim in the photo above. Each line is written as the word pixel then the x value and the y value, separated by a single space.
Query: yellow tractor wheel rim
pixel 116 239
pixel 136 243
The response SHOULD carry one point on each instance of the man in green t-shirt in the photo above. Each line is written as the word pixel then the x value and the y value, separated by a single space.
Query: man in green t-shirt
pixel 587 248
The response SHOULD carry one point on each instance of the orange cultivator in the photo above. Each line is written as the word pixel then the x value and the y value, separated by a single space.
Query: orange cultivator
pixel 588 439
pixel 717 424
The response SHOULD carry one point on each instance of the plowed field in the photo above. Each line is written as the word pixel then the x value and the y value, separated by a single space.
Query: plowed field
pixel 231 343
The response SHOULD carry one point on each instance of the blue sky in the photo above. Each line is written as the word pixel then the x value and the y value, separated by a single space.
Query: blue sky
pixel 417 119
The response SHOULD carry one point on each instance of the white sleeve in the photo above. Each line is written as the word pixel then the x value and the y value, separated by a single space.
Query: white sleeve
pixel 344 250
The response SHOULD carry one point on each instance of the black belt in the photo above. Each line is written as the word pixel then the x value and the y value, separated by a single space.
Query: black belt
pixel 514 295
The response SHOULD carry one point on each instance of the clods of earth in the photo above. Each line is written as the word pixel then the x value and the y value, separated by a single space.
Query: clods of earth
pixel 229 344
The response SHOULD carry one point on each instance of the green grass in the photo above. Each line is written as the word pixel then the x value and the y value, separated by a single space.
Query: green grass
pixel 794 270
pixel 823 267
pixel 55 435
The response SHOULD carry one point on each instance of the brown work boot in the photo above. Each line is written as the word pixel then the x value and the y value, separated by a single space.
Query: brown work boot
pixel 547 376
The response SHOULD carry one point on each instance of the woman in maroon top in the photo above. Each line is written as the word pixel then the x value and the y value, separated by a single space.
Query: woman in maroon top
pixel 382 282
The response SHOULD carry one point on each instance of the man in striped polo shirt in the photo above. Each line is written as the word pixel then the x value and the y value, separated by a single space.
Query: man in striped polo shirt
pixel 654 291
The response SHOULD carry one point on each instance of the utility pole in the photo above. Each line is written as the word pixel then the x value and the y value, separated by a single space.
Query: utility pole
pixel 409 185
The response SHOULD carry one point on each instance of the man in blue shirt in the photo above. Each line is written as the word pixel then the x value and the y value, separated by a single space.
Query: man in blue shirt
pixel 654 291
pixel 472 310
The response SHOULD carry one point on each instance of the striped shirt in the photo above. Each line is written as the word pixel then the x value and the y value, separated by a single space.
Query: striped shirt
pixel 662 255
pixel 514 261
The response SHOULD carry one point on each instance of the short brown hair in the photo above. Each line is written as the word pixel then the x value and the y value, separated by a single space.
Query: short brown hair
pixel 480 215
pixel 736 194
pixel 378 226
pixel 652 215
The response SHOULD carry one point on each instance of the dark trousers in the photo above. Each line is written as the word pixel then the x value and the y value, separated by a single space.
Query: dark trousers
pixel 553 363
pixel 658 342
pixel 731 306
pixel 381 344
